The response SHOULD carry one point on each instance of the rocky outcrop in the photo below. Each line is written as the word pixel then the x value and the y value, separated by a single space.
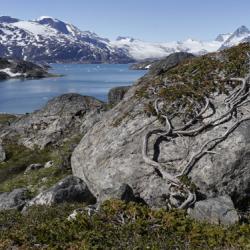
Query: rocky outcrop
pixel 218 210
pixel 169 62
pixel 115 95
pixel 215 160
pixel 144 65
pixel 21 69
pixel 70 189
pixel 14 200
pixel 62 117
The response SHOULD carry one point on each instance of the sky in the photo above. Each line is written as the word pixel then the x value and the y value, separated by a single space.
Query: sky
pixel 149 20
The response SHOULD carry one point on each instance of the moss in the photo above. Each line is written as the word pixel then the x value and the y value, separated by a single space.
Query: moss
pixel 117 225
pixel 19 158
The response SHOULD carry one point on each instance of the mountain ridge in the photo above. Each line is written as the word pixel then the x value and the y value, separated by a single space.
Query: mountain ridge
pixel 49 39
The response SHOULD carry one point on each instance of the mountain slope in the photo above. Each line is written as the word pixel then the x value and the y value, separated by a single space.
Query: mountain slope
pixel 52 40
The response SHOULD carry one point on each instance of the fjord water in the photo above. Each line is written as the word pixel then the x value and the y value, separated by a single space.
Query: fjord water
pixel 22 96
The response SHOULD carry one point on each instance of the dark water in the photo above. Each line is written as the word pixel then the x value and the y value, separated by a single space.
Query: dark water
pixel 21 96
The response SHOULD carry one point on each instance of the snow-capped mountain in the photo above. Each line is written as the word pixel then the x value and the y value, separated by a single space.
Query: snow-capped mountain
pixel 240 35
pixel 51 40
pixel 141 50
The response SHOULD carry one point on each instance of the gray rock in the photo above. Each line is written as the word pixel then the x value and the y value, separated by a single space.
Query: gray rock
pixel 115 95
pixel 110 154
pixel 14 200
pixel 218 210
pixel 33 167
pixel 2 153
pixel 70 189
pixel 60 118
pixel 169 62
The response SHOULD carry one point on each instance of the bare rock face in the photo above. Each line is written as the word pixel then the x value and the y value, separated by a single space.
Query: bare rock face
pixel 61 117
pixel 14 200
pixel 218 210
pixel 70 189
pixel 110 154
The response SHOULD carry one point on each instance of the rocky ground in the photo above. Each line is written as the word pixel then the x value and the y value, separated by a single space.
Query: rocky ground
pixel 10 68
pixel 174 148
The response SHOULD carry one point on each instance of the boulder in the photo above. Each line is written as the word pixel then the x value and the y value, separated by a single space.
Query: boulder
pixel 115 95
pixel 14 200
pixel 62 117
pixel 110 153
pixel 33 167
pixel 70 189
pixel 219 210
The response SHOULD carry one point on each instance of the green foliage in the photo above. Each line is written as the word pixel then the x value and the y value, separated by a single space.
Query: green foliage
pixel 187 84
pixel 19 158
pixel 117 225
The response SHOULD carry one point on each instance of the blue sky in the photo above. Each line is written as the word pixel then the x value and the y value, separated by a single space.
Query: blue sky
pixel 150 20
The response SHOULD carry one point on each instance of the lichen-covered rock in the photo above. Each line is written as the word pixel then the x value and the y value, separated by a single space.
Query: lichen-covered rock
pixel 219 210
pixel 70 189
pixel 115 95
pixel 62 117
pixel 14 200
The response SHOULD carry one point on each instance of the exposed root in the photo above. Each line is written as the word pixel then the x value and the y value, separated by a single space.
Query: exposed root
pixel 236 99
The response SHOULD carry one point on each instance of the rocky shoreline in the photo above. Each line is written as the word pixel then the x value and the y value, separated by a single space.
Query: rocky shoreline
pixel 10 69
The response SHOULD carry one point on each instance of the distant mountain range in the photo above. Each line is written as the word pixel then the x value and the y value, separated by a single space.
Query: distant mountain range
pixel 48 39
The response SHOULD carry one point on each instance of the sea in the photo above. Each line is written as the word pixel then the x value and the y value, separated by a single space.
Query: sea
pixel 25 96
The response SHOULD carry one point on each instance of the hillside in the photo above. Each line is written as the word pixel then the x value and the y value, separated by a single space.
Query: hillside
pixel 166 167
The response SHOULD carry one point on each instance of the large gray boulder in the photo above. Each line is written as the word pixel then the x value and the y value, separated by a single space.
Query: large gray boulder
pixel 219 210
pixel 111 154
pixel 70 189
pixel 62 117
pixel 14 200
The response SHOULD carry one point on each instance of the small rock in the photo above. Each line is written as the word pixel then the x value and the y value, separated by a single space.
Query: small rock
pixel 70 189
pixel 33 167
pixel 49 164
pixel 219 210
pixel 2 153
pixel 14 200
